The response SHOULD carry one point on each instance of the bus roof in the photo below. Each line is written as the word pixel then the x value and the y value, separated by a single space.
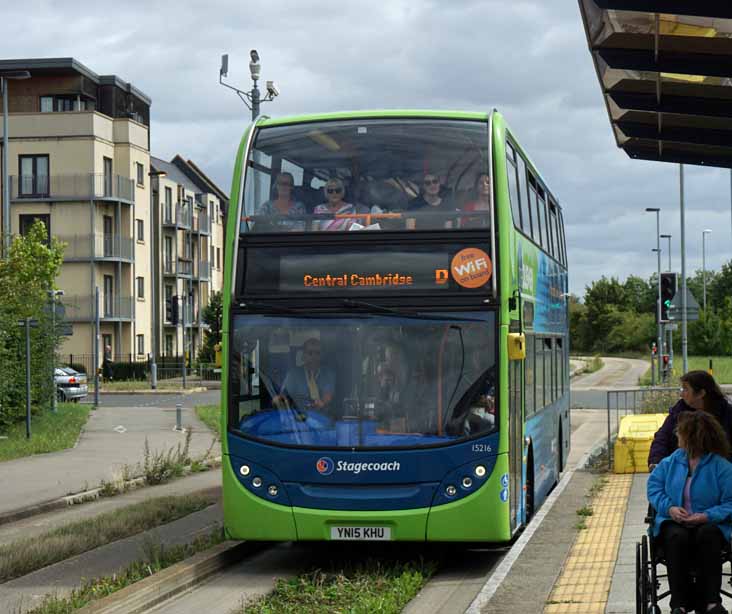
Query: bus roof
pixel 374 114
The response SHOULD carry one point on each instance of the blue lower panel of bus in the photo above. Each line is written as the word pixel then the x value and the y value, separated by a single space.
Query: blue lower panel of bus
pixel 362 480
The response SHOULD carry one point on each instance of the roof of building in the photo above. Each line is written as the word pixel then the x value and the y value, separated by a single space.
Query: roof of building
pixel 194 173
pixel 665 69
pixel 173 173
pixel 71 64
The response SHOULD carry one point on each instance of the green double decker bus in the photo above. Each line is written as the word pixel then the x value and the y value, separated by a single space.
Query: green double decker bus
pixel 395 337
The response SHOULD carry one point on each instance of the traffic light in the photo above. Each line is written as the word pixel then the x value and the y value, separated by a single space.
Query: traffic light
pixel 668 291
pixel 171 310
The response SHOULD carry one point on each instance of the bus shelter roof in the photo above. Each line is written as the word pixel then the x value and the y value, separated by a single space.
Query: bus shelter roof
pixel 665 69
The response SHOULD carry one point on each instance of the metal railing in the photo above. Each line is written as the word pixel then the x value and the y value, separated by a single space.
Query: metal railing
pixel 81 308
pixel 201 223
pixel 649 400
pixel 179 216
pixel 83 247
pixel 185 267
pixel 81 186
pixel 204 270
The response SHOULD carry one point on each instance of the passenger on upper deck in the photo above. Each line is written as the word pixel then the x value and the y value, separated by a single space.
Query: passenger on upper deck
pixel 283 205
pixel 481 202
pixel 336 206
pixel 431 200
pixel 311 386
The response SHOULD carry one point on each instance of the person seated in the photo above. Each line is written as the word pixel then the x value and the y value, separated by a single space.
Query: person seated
pixel 336 206
pixel 310 386
pixel 691 492
pixel 481 202
pixel 699 391
pixel 283 206
pixel 431 200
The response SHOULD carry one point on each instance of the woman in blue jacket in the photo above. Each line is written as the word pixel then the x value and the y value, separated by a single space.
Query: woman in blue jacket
pixel 691 491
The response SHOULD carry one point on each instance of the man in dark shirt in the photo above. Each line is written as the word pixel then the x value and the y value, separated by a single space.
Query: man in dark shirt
pixel 429 201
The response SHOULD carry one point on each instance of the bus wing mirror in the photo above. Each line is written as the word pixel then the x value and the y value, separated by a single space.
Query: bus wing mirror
pixel 516 346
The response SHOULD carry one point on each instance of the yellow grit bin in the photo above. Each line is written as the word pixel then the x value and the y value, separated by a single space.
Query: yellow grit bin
pixel 635 435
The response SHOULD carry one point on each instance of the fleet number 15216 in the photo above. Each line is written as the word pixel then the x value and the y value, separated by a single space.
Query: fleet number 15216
pixel 481 447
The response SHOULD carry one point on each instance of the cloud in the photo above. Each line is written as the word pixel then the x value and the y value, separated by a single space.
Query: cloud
pixel 527 58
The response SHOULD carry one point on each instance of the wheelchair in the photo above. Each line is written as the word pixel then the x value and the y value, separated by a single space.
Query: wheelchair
pixel 648 555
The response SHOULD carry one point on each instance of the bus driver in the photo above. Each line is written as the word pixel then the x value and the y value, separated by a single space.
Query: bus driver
pixel 310 386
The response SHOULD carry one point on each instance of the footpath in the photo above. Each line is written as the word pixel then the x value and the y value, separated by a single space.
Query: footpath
pixel 114 437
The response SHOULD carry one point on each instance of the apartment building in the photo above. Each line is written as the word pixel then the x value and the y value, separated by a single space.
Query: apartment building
pixel 189 213
pixel 79 160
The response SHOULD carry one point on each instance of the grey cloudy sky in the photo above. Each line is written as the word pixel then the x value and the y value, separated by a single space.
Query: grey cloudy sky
pixel 528 59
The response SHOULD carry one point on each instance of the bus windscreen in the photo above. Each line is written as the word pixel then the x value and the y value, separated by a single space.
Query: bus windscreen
pixel 375 381
pixel 370 174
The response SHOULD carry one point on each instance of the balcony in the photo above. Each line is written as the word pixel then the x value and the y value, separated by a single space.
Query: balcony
pixel 177 267
pixel 201 224
pixel 85 186
pixel 204 271
pixel 81 248
pixel 111 308
pixel 179 216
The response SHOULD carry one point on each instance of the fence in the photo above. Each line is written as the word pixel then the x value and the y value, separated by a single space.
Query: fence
pixel 652 400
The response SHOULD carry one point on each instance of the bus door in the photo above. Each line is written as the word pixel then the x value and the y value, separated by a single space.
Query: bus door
pixel 515 432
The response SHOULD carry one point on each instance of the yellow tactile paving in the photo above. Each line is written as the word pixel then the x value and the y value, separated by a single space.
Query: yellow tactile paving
pixel 583 585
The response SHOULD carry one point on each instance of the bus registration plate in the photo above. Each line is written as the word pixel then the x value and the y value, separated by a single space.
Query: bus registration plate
pixel 361 533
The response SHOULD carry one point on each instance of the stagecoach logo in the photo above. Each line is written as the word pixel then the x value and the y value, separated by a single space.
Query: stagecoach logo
pixel 325 465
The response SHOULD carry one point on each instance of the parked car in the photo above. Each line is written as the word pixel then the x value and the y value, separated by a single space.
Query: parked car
pixel 70 384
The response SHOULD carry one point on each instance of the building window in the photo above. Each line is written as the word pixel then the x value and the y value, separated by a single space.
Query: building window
pixel 218 258
pixel 26 221
pixel 140 230
pixel 33 180
pixel 140 174
pixel 169 206
pixel 211 260
pixel 140 287
pixel 60 104
pixel 140 344
pixel 168 345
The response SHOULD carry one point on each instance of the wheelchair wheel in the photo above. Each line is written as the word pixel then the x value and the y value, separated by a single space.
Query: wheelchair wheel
pixel 646 575
pixel 638 580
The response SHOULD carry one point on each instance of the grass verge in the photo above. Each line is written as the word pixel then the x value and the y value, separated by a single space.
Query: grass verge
pixel 49 432
pixel 210 415
pixel 27 555
pixel 134 385
pixel 157 557
pixel 372 586
pixel 594 365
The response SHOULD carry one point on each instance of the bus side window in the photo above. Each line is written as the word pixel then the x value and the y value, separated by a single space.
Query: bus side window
pixel 561 236
pixel 539 373
pixel 560 367
pixel 554 224
pixel 541 206
pixel 525 204
pixel 549 371
pixel 513 187
pixel 529 376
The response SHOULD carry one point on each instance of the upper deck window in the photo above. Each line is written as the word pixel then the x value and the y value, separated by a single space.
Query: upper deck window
pixel 381 174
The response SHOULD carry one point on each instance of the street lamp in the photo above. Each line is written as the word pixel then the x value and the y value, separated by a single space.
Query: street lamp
pixel 657 211
pixel 154 221
pixel 5 76
pixel 252 99
pixel 669 250
pixel 704 267
pixel 53 295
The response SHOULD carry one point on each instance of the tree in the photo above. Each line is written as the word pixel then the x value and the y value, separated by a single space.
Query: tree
pixel 26 277
pixel 640 295
pixel 213 317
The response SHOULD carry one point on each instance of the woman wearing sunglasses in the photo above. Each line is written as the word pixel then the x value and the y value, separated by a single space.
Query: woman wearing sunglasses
pixel 283 205
pixel 336 206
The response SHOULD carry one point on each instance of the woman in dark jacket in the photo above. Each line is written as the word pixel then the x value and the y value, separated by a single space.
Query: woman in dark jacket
pixel 698 391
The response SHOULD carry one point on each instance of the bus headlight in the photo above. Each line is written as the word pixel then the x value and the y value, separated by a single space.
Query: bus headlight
pixel 450 491
pixel 244 470
pixel 467 482
pixel 480 471
pixel 257 482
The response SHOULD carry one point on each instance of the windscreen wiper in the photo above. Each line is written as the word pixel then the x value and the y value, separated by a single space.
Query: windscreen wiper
pixel 269 306
pixel 417 315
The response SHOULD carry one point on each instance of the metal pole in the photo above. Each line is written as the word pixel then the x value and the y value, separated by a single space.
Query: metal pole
pixel 704 271
pixel 183 319
pixel 658 307
pixel 54 402
pixel 6 180
pixel 684 339
pixel 153 283
pixel 27 380
pixel 178 418
pixel 255 100
pixel 96 347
